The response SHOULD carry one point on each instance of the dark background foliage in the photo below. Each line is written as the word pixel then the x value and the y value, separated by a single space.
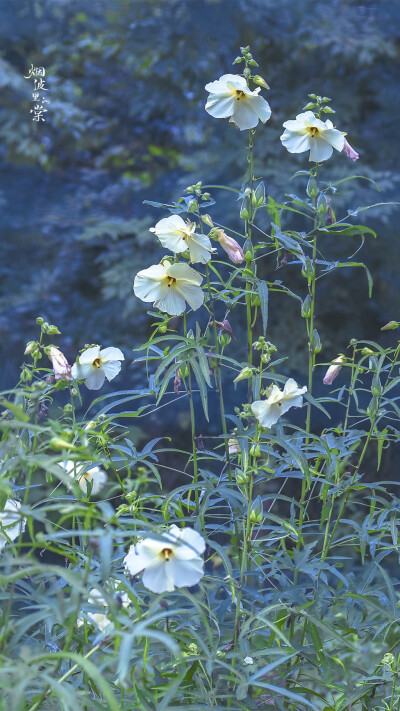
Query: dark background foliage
pixel 126 123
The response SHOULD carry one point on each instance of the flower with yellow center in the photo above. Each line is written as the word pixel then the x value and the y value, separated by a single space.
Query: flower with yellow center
pixel 173 561
pixel 231 97
pixel 92 479
pixel 307 132
pixel 95 365
pixel 178 236
pixel 270 410
pixel 11 522
pixel 169 286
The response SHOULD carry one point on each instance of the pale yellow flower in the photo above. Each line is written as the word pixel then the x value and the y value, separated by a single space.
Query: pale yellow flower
pixel 270 410
pixel 231 97
pixel 169 286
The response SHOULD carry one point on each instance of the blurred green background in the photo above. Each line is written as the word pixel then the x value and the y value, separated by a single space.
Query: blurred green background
pixel 126 122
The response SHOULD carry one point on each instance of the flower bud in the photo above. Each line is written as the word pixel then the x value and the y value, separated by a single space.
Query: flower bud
pixel 224 339
pixel 244 214
pixel 372 407
pixel 241 477
pixel 391 326
pixel 248 256
pixel 192 205
pixel 333 370
pixel 260 81
pixel 60 443
pixel 255 450
pixel 316 342
pixel 30 347
pixel 256 513
pixel 349 151
pixel 163 328
pixel 244 374
pixel 306 306
pixel 231 247
pixel 207 219
pixel 53 330
pixel 367 352
pixel 307 270
pixel 40 321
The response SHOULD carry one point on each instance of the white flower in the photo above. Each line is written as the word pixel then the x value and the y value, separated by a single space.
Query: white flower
pixel 178 236
pixel 173 562
pixel 269 411
pixel 100 619
pixel 230 96
pixel 11 522
pixel 94 365
pixel 248 660
pixel 307 132
pixel 60 365
pixel 93 476
pixel 169 286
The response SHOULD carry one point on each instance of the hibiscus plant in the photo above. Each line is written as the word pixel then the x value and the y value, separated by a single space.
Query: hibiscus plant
pixel 257 566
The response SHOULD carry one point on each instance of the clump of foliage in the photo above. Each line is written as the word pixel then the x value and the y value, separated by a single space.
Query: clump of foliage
pixel 265 578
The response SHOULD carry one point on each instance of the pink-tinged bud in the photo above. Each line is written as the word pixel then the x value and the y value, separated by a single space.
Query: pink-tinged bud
pixel 349 151
pixel 329 215
pixel 333 370
pixel 231 247
pixel 61 367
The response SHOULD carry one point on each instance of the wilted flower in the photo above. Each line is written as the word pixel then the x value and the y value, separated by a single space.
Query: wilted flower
pixel 100 619
pixel 178 236
pixel 231 97
pixel 173 562
pixel 233 446
pixel 307 132
pixel 333 370
pixel 95 365
pixel 11 522
pixel 94 476
pixel 231 247
pixel 269 411
pixel 349 151
pixel 60 365
pixel 169 286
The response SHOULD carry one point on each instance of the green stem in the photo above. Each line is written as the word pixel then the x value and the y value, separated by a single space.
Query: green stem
pixel 193 428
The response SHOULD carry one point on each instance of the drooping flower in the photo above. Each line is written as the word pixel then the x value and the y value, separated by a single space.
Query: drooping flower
pixel 231 97
pixel 168 286
pixel 11 522
pixel 101 619
pixel 60 365
pixel 307 132
pixel 230 246
pixel 178 236
pixel 95 365
pixel 172 562
pixel 94 476
pixel 233 446
pixel 333 370
pixel 349 151
pixel 278 402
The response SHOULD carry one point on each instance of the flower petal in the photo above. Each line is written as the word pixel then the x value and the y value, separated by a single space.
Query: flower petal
pixel 95 379
pixel 186 572
pixel 191 544
pixel 320 149
pixel 266 414
pixel 295 142
pixel 191 293
pixel 81 371
pixel 261 108
pixel 244 115
pixel 220 106
pixel 110 353
pixel 89 355
pixel 172 302
pixel 184 273
pixel 111 369
pixel 158 577
pixel 334 137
